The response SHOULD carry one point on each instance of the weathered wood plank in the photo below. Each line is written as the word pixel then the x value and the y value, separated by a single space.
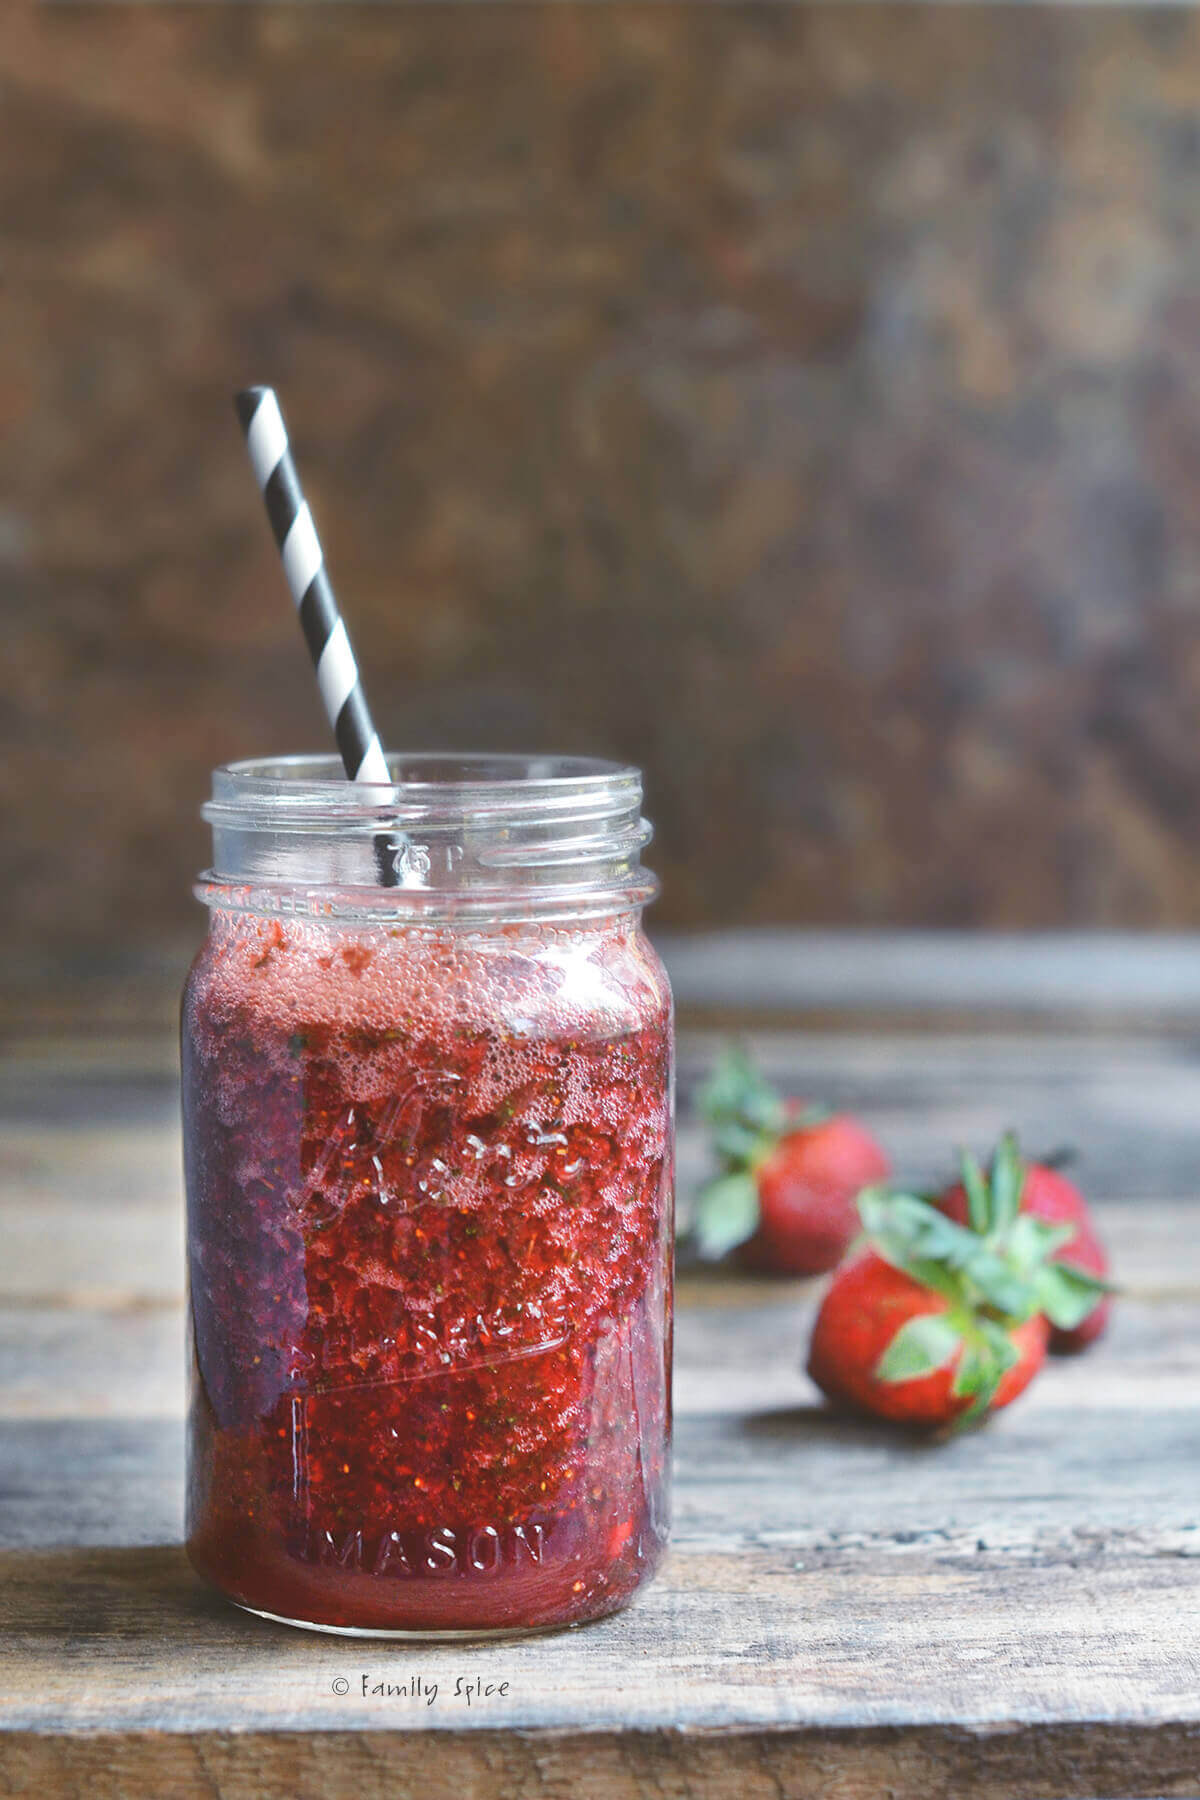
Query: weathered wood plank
pixel 1073 1762
pixel 856 1637
pixel 747 1416
pixel 90 1172
pixel 102 1482
pixel 1155 1243
pixel 740 1338
pixel 1107 1443
pixel 1044 974
pixel 128 1017
pixel 94 1216
pixel 1127 1105
pixel 78 1362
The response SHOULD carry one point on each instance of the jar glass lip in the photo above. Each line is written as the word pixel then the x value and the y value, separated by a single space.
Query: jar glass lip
pixel 424 782
pixel 457 830
pixel 438 769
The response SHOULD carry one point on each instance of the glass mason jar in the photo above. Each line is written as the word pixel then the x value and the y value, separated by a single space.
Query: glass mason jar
pixel 428 1150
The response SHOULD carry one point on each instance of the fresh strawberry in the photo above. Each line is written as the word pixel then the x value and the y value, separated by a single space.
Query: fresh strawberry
pixel 807 1189
pixel 936 1322
pixel 789 1176
pixel 857 1355
pixel 1048 1195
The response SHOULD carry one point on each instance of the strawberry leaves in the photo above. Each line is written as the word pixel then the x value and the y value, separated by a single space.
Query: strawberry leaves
pixel 994 1273
pixel 746 1118
pixel 988 1354
pixel 1007 1180
pixel 726 1214
pixel 921 1345
pixel 1067 1295
pixel 746 1114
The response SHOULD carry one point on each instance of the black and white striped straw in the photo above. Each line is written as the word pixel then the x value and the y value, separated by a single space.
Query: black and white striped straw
pixel 320 618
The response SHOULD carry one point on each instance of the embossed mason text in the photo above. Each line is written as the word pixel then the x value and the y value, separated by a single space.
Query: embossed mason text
pixel 442 1550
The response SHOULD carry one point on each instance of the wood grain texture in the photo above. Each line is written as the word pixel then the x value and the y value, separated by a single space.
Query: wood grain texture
pixel 844 1635
pixel 1047 975
pixel 944 1763
pixel 845 1613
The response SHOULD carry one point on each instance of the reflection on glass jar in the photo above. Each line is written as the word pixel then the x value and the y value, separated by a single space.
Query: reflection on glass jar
pixel 429 1163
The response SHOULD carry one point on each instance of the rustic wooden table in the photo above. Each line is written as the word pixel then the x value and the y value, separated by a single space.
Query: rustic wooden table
pixel 844 1613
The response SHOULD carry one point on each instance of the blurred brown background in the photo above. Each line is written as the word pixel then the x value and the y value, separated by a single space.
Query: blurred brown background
pixel 801 402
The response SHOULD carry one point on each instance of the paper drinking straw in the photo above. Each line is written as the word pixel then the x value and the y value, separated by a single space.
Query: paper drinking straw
pixel 320 618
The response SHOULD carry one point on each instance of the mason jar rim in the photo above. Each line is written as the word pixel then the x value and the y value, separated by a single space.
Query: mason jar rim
pixel 463 833
pixel 424 783
pixel 490 767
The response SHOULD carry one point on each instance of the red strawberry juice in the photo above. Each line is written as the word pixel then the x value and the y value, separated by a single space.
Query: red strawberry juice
pixel 429 1191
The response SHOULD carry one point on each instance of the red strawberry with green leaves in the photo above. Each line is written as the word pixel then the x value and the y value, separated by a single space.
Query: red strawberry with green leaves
pixel 1048 1195
pixel 879 1337
pixel 789 1174
pixel 935 1322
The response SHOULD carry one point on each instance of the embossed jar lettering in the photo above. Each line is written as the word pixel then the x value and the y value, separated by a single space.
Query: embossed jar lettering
pixel 443 1550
